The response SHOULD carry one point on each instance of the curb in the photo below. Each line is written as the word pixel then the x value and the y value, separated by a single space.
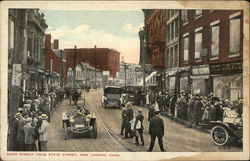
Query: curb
pixel 185 123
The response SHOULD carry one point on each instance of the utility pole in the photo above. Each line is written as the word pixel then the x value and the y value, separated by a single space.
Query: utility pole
pixel 144 51
pixel 74 79
pixel 125 69
pixel 95 66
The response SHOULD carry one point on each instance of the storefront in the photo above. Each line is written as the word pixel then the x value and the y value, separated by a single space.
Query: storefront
pixel 171 79
pixel 227 80
pixel 184 83
pixel 201 80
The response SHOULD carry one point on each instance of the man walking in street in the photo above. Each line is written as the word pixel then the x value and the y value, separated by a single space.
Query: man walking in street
pixel 139 127
pixel 43 132
pixel 129 116
pixel 156 129
pixel 30 135
pixel 123 119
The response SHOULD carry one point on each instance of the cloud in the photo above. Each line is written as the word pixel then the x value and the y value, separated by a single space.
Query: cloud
pixel 84 36
pixel 132 29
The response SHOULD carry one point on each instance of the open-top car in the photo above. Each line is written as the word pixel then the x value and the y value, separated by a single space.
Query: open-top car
pixel 226 131
pixel 79 122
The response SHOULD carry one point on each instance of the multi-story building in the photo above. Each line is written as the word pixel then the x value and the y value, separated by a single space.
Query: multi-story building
pixel 172 49
pixel 103 59
pixel 55 63
pixel 211 48
pixel 86 75
pixel 25 56
pixel 130 73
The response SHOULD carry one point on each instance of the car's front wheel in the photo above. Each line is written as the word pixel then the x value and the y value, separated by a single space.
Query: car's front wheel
pixel 220 135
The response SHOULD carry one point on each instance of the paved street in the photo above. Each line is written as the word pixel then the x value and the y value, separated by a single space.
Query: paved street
pixel 177 137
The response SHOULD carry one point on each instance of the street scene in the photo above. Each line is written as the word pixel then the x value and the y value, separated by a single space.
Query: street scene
pixel 153 80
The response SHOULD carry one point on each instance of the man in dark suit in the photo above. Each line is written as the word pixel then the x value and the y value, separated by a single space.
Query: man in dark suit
pixel 123 119
pixel 128 117
pixel 156 129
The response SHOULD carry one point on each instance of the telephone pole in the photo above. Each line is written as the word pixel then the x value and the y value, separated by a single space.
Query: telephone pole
pixel 74 79
pixel 95 67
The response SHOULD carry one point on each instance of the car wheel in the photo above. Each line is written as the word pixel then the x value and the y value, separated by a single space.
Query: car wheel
pixel 65 131
pixel 220 135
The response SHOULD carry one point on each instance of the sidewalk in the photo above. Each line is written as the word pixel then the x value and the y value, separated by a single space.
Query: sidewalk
pixel 185 123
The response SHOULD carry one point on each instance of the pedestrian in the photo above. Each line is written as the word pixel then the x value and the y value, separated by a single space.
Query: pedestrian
pixel 151 112
pixel 43 132
pixel 127 119
pixel 20 133
pixel 139 128
pixel 30 135
pixel 197 110
pixel 156 129
pixel 147 100
pixel 190 109
pixel 38 125
pixel 14 131
pixel 123 119
pixel 172 103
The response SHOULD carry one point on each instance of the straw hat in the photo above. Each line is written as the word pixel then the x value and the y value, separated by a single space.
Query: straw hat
pixel 18 114
pixel 44 116
pixel 29 119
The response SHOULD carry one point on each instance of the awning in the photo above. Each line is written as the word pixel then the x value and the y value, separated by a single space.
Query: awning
pixel 200 77
pixel 148 77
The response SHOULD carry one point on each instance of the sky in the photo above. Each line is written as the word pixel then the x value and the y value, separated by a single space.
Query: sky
pixel 105 29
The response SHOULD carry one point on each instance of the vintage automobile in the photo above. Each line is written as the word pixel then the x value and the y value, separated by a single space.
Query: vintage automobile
pixel 112 96
pixel 133 94
pixel 79 122
pixel 226 131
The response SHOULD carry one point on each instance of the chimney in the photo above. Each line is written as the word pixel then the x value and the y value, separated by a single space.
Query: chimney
pixel 56 44
pixel 48 41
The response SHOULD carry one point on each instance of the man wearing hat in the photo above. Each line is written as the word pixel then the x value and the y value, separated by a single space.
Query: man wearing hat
pixel 30 135
pixel 14 131
pixel 20 133
pixel 43 132
pixel 139 127
pixel 156 129
pixel 129 116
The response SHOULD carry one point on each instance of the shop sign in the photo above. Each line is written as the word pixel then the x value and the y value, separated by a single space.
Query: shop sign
pixel 226 68
pixel 16 74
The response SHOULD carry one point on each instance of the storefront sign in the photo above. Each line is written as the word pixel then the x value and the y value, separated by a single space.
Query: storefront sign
pixel 16 74
pixel 226 68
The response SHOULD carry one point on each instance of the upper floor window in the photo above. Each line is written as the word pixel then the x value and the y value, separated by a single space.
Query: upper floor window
pixel 234 44
pixel 51 65
pixel 198 13
pixel 186 49
pixel 198 45
pixel 215 32
pixel 11 34
pixel 184 16
pixel 30 46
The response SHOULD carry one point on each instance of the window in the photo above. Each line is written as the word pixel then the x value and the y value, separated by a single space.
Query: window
pixel 198 45
pixel 176 27
pixel 184 16
pixel 38 50
pixel 172 31
pixel 234 35
pixel 169 31
pixel 29 47
pixel 51 65
pixel 215 41
pixel 198 13
pixel 186 49
pixel 175 56
pixel 11 34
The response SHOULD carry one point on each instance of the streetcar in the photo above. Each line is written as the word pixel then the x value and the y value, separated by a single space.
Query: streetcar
pixel 112 96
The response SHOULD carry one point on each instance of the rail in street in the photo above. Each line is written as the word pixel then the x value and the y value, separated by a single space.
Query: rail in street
pixel 177 137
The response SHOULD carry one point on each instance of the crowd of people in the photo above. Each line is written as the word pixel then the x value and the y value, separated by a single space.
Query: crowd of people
pixel 195 109
pixel 28 126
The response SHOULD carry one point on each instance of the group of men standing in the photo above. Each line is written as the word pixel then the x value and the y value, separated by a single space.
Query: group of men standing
pixel 134 126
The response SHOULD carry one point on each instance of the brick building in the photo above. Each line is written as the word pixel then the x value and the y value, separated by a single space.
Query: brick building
pixel 155 26
pixel 211 48
pixel 103 59
pixel 55 63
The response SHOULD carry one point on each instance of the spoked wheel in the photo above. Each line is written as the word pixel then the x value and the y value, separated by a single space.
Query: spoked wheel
pixel 65 131
pixel 220 135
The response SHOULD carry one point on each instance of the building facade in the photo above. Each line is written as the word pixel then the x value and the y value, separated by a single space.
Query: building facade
pixel 211 48
pixel 103 59
pixel 55 63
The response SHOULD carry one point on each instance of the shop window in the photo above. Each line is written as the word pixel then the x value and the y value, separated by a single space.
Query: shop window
pixel 234 43
pixel 186 49
pixel 215 31
pixel 198 46
pixel 176 27
pixel 11 34
pixel 184 16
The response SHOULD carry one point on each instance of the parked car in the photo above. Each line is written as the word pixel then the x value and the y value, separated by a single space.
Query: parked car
pixel 112 96
pixel 79 122
pixel 224 133
pixel 133 94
